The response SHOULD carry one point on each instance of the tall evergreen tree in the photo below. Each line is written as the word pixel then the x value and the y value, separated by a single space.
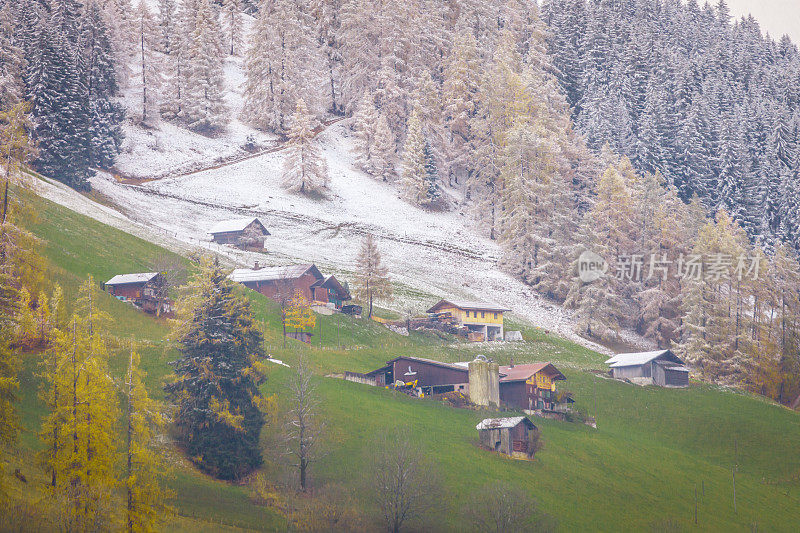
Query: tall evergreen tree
pixel 217 377
pixel 57 93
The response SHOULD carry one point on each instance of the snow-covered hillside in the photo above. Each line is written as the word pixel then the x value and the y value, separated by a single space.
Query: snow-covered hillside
pixel 173 201
pixel 430 253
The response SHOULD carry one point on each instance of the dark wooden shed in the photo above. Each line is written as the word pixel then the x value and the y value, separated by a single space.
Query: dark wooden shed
pixel 240 231
pixel 511 436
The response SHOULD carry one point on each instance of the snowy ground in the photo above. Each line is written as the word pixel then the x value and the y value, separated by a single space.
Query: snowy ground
pixel 429 255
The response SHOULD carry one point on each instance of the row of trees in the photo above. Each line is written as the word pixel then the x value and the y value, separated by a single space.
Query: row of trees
pixel 675 86
pixel 83 440
pixel 60 57
pixel 684 281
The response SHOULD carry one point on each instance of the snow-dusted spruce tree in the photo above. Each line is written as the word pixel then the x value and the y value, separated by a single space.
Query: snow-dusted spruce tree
pixel 413 182
pixel 281 64
pixel 167 24
pixel 459 95
pixel 305 170
pixel 60 112
pixel 12 60
pixel 205 108
pixel 434 193
pixel 100 81
pixel 365 121
pixel 232 21
pixel 147 37
pixel 384 151
pixel 180 28
pixel 118 17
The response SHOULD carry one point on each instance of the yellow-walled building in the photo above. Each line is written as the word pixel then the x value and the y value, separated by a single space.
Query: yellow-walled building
pixel 485 319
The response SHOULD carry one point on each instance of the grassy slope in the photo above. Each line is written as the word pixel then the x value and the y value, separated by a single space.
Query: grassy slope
pixel 637 470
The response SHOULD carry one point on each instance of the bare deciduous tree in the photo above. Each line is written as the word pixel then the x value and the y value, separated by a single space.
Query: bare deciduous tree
pixel 504 507
pixel 405 485
pixel 372 278
pixel 173 271
pixel 303 428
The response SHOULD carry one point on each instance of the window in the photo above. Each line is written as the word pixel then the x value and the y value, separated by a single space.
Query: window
pixel 495 316
pixel 483 315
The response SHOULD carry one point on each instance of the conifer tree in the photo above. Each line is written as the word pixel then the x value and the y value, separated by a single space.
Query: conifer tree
pixel 383 151
pixel 167 14
pixel 147 41
pixel 204 107
pixel 9 362
pixel 99 73
pixel 145 506
pixel 413 176
pixel 217 377
pixel 365 121
pixel 80 433
pixel 281 66
pixel 372 278
pixel 305 170
pixel 299 316
pixel 57 94
pixel 460 94
pixel 232 22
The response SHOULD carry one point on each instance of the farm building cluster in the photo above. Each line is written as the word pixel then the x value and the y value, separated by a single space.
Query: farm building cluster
pixel 281 282
pixel 529 387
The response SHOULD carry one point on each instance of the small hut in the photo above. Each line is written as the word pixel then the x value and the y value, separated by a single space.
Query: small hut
pixel 511 436
pixel 661 367
pixel 244 232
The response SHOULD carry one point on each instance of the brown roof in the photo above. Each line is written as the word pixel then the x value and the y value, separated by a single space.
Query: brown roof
pixel 524 372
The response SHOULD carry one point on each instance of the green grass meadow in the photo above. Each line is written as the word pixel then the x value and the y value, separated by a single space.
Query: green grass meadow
pixel 638 471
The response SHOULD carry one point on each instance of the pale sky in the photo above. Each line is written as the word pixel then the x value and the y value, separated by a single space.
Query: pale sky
pixel 775 16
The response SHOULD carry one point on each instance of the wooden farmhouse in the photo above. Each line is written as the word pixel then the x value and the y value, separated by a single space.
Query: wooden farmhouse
pixel 241 232
pixel 144 289
pixel 510 436
pixel 281 282
pixel 531 387
pixel 661 367
pixel 484 321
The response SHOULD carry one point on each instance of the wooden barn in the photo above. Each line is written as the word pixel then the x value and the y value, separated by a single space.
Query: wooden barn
pixel 530 386
pixel 240 232
pixel 511 436
pixel 431 377
pixel 281 282
pixel 661 367
pixel 145 289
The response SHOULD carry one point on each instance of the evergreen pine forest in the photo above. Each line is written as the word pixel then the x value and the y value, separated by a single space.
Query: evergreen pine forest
pixel 661 136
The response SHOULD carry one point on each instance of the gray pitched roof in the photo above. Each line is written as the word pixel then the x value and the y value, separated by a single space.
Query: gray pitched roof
pixel 236 224
pixel 639 358
pixel 498 423
pixel 124 279
pixel 242 275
